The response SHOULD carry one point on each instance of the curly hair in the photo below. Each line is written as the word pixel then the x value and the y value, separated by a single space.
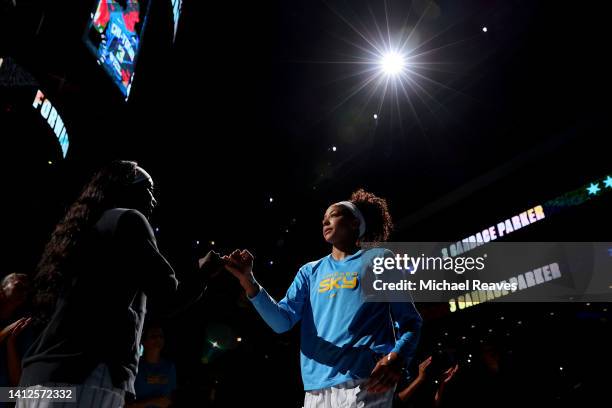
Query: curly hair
pixel 103 192
pixel 376 214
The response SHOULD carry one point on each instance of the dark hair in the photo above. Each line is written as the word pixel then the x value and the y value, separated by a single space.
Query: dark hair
pixel 376 214
pixel 104 191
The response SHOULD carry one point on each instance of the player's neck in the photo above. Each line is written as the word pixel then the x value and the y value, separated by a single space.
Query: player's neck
pixel 341 251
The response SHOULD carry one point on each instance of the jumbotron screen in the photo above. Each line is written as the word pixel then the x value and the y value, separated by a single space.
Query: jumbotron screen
pixel 114 35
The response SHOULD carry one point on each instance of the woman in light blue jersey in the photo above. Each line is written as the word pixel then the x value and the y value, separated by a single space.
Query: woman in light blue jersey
pixel 352 352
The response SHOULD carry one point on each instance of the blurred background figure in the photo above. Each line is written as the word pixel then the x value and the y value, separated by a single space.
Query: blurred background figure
pixel 429 387
pixel 14 296
pixel 156 379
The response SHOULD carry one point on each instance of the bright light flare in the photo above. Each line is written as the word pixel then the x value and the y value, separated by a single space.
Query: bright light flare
pixel 392 63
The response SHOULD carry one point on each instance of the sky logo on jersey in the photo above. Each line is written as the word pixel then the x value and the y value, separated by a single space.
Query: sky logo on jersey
pixel 338 281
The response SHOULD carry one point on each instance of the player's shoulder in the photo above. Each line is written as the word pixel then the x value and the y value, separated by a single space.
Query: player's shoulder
pixel 131 220
pixel 131 215
pixel 311 267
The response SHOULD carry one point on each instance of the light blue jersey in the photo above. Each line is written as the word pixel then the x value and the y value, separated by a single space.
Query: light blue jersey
pixel 342 335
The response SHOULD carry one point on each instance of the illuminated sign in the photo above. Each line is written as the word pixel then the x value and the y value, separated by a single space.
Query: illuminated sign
pixel 54 120
pixel 571 199
pixel 522 281
pixel 493 232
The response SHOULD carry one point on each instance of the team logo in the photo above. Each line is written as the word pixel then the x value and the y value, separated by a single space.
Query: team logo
pixel 337 281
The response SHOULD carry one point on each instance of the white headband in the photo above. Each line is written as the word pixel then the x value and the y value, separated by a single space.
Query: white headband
pixel 356 213
pixel 142 175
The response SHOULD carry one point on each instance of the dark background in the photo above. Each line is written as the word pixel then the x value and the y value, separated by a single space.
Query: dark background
pixel 244 107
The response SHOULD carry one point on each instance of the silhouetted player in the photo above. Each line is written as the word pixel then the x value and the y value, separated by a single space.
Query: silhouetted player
pixel 92 285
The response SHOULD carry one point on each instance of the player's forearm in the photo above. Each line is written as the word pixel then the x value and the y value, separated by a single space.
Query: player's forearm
pixel 275 316
pixel 250 286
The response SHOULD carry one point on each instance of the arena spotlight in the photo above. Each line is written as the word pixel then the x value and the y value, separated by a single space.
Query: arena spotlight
pixel 392 63
pixel 394 67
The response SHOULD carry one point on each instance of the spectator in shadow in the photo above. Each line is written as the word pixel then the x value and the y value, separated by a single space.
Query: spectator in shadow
pixel 428 388
pixel 156 379
pixel 14 338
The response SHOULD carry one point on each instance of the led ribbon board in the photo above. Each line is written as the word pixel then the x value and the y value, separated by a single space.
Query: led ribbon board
pixel 20 89
pixel 53 119
pixel 524 219
pixel 530 216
